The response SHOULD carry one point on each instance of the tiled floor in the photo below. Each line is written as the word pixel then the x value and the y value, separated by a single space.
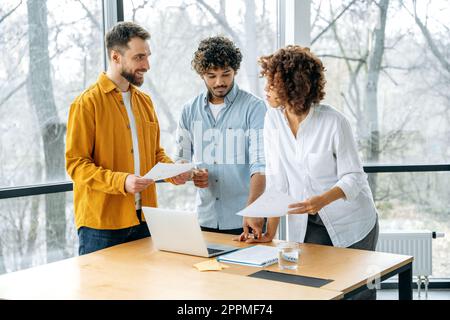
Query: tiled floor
pixel 432 295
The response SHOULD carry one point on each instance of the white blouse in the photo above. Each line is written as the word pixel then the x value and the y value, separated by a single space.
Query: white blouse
pixel 321 156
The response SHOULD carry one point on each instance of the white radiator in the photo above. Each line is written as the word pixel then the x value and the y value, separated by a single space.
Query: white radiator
pixel 412 243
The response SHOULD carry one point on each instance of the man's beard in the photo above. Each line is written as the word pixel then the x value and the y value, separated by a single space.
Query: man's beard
pixel 223 95
pixel 132 78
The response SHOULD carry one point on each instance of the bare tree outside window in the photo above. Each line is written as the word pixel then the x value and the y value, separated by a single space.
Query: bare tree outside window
pixel 177 27
pixel 51 52
pixel 387 70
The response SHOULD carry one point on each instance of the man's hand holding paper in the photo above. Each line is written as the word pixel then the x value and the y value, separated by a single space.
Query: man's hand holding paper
pixel 179 171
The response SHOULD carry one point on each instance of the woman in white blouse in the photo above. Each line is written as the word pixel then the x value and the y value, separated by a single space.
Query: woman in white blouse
pixel 311 155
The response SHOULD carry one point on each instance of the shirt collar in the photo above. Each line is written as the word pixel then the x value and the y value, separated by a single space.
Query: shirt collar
pixel 107 85
pixel 229 98
pixel 305 121
pixel 308 118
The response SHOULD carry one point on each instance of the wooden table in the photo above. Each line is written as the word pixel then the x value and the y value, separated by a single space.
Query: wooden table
pixel 350 269
pixel 136 270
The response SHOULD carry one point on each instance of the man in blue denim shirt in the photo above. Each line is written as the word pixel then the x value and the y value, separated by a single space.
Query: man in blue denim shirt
pixel 221 129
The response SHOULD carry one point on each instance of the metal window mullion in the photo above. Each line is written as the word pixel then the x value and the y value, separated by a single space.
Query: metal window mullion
pixel 120 12
pixel 112 13
pixel 294 22
pixel 294 27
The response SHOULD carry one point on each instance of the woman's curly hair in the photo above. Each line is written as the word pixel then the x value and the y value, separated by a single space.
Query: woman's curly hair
pixel 216 52
pixel 296 75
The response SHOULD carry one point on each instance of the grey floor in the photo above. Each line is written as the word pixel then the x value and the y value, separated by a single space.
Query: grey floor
pixel 434 294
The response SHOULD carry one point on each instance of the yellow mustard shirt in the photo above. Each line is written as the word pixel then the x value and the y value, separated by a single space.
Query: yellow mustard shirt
pixel 99 154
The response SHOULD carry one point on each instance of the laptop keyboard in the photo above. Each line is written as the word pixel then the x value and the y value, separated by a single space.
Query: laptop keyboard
pixel 212 251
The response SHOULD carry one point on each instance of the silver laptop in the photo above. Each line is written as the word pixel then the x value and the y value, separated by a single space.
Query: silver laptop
pixel 179 231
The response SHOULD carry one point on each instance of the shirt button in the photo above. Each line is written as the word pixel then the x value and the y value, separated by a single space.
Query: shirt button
pixel 215 162
pixel 217 180
pixel 217 199
pixel 131 150
pixel 128 126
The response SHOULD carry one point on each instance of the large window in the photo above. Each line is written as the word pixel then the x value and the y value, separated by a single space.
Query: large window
pixel 176 29
pixel 51 51
pixel 388 70
pixel 418 201
pixel 26 240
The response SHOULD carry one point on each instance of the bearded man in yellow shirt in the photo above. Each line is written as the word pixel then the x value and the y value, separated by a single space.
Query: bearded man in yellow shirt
pixel 113 139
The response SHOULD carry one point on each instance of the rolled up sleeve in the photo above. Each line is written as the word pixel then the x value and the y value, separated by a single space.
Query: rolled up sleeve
pixel 256 138
pixel 184 147
pixel 350 171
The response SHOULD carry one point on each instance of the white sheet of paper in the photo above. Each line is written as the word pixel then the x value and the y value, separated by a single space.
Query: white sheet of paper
pixel 168 170
pixel 296 225
pixel 271 203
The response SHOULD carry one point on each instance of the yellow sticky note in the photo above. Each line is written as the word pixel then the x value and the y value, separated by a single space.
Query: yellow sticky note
pixel 210 265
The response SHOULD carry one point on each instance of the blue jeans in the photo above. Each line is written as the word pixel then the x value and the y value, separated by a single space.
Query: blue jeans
pixel 94 239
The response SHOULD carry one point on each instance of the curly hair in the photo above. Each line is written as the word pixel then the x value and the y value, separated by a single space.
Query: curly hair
pixel 216 52
pixel 296 75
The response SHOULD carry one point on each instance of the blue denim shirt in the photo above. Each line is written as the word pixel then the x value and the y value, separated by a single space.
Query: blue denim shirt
pixel 231 148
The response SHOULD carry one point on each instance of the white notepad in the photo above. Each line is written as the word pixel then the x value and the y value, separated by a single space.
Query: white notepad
pixel 255 256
